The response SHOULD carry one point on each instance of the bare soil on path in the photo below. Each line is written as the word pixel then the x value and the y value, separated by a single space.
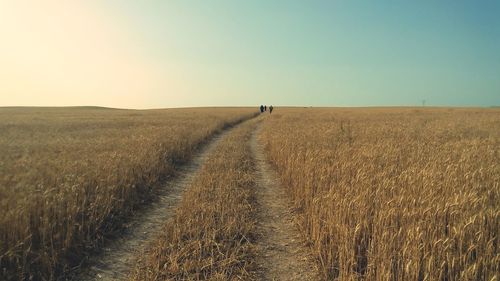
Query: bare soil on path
pixel 119 256
pixel 281 251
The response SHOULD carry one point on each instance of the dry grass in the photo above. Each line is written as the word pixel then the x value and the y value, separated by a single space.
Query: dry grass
pixel 210 236
pixel 68 176
pixel 394 194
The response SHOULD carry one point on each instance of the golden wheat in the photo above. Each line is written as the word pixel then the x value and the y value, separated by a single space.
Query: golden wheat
pixel 382 194
pixel 394 194
pixel 68 176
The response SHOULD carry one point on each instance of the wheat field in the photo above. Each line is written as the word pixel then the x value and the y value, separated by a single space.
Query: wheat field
pixel 376 193
pixel 393 194
pixel 68 176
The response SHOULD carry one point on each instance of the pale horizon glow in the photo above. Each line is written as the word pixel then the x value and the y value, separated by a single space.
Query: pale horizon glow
pixel 155 54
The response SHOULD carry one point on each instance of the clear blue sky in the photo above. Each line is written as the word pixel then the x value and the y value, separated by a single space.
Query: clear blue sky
pixel 320 53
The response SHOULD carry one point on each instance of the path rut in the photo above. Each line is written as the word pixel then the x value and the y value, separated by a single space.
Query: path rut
pixel 281 252
pixel 119 256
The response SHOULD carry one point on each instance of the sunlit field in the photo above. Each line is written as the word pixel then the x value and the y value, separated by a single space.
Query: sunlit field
pixel 69 175
pixel 375 193
pixel 393 194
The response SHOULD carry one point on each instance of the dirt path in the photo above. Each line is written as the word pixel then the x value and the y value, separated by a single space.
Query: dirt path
pixel 118 257
pixel 282 254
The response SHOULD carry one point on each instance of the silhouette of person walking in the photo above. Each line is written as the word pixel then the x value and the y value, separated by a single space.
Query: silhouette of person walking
pixel 265 107
pixel 261 108
pixel 270 109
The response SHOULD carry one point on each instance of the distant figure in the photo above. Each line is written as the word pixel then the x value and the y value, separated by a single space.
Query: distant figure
pixel 270 109
pixel 265 107
pixel 261 108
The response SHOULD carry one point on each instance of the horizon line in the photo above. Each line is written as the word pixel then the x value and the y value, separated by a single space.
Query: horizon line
pixel 244 106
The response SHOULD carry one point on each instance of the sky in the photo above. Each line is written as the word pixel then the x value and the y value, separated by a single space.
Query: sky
pixel 166 53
